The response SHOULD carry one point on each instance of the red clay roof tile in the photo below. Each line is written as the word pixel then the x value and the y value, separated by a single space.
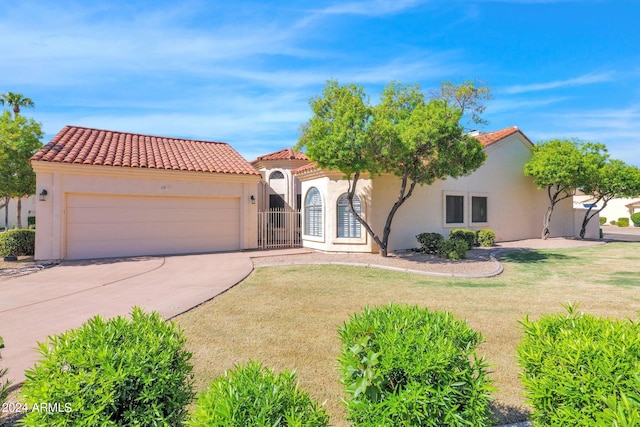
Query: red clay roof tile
pixel 486 139
pixel 80 145
pixel 286 154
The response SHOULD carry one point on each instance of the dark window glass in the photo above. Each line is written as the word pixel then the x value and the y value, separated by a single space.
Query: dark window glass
pixel 455 209
pixel 478 209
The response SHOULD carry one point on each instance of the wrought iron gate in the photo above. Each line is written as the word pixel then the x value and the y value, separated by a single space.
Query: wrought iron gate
pixel 279 228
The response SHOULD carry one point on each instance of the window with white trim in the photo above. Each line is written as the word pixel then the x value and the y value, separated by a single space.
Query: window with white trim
pixel 454 209
pixel 348 225
pixel 313 213
pixel 478 209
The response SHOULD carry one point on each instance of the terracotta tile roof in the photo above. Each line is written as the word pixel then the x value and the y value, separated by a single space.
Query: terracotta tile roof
pixel 486 139
pixel 80 145
pixel 306 168
pixel 286 154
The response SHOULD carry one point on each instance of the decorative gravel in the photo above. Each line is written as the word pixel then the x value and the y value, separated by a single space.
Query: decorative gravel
pixel 480 262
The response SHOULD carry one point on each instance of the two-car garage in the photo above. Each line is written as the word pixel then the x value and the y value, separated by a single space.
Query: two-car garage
pixel 99 226
pixel 115 194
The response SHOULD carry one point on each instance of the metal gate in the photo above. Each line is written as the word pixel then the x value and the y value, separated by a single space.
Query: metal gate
pixel 279 228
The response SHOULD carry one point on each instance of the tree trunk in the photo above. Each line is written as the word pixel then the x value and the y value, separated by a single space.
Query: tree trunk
pixel 553 200
pixel 403 195
pixel 545 223
pixel 6 214
pixel 587 218
pixel 19 213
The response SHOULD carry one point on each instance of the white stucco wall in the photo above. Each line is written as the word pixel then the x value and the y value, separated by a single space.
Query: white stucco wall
pixel 515 207
pixel 60 180
pixel 331 188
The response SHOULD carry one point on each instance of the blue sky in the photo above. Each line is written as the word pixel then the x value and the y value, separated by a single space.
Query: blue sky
pixel 243 72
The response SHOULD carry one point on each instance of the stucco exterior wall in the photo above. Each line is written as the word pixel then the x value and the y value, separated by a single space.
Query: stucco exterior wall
pixel 62 180
pixel 515 207
pixel 331 188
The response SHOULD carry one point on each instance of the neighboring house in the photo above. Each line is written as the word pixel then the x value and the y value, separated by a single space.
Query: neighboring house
pixel 10 212
pixel 497 196
pixel 615 209
pixel 114 193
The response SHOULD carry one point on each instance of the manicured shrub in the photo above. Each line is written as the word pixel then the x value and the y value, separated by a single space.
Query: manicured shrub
pixel 635 218
pixel 429 242
pixel 252 395
pixel 408 366
pixel 17 242
pixel 612 222
pixel 603 220
pixel 623 222
pixel 118 372
pixel 453 249
pixel 468 236
pixel 573 363
pixel 623 410
pixel 4 385
pixel 486 238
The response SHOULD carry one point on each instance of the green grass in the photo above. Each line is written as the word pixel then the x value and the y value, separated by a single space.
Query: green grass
pixel 287 317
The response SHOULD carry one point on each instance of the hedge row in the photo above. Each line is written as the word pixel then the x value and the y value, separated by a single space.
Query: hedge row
pixel 400 365
pixel 17 242
pixel 460 240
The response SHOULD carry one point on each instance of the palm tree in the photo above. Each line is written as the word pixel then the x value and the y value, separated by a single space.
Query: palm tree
pixel 16 100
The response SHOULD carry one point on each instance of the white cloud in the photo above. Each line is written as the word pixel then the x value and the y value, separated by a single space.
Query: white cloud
pixel 370 8
pixel 585 79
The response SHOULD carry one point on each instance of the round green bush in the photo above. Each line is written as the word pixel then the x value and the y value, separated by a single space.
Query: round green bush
pixel 4 385
pixel 118 372
pixel 429 242
pixel 17 242
pixel 635 218
pixel 252 395
pixel 603 220
pixel 623 222
pixel 408 366
pixel 574 363
pixel 486 238
pixel 453 249
pixel 468 236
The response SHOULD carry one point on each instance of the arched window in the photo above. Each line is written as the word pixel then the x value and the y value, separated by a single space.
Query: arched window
pixel 313 213
pixel 276 175
pixel 348 225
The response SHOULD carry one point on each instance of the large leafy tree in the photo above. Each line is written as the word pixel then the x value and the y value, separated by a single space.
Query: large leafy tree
pixel 418 140
pixel 561 166
pixel 19 140
pixel 615 179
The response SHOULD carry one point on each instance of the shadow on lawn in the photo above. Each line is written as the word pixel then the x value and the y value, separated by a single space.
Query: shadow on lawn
pixel 532 256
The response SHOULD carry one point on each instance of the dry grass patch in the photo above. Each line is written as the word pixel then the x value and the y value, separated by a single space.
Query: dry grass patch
pixel 287 317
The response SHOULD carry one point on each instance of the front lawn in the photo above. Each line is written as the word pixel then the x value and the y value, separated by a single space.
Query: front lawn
pixel 287 317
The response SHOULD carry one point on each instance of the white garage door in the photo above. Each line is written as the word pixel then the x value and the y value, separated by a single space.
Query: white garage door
pixel 111 226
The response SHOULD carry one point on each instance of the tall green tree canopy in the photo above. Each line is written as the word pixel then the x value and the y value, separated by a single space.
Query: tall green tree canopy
pixel 19 141
pixel 561 166
pixel 615 179
pixel 16 101
pixel 419 140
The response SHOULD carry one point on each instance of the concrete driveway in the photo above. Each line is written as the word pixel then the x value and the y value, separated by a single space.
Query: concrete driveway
pixel 621 234
pixel 51 301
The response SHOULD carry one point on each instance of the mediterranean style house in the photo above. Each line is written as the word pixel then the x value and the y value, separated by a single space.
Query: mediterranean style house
pixel 497 196
pixel 103 193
